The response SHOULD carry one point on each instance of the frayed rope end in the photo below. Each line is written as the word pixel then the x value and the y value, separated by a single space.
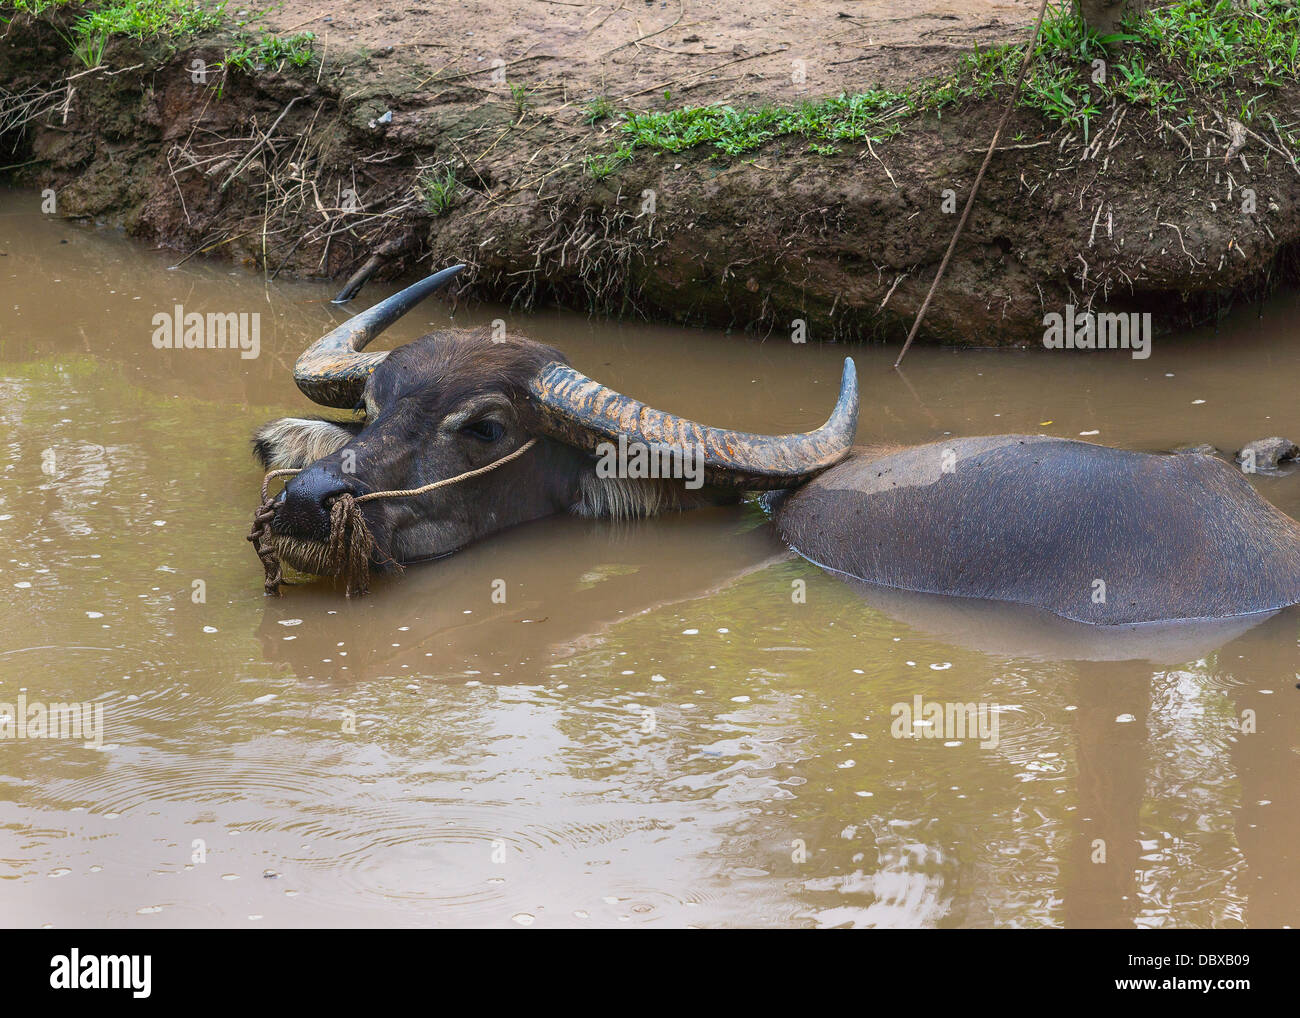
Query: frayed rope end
pixel 351 543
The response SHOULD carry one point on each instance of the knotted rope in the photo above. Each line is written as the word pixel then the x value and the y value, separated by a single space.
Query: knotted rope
pixel 350 542
pixel 260 535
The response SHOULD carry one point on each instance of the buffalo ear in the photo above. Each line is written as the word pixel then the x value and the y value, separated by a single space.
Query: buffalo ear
pixel 291 443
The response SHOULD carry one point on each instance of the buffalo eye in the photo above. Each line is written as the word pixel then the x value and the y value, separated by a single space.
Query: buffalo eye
pixel 485 430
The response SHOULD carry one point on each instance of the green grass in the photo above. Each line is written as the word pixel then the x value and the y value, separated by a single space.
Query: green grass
pixel 843 118
pixel 267 51
pixel 89 33
pixel 519 94
pixel 139 19
pixel 99 22
pixel 150 19
pixel 603 165
pixel 1255 44
pixel 88 48
pixel 437 190
pixel 33 7
pixel 1234 55
pixel 597 110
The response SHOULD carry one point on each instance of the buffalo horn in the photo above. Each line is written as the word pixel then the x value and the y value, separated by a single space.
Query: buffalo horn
pixel 582 412
pixel 333 370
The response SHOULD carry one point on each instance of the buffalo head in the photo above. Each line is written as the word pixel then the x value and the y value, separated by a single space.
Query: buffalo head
pixel 457 400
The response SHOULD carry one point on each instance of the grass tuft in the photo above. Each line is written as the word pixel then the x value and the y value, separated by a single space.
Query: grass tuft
pixel 257 54
pixel 437 190
pixel 598 109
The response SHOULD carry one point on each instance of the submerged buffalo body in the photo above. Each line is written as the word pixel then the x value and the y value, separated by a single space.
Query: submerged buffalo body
pixel 1090 533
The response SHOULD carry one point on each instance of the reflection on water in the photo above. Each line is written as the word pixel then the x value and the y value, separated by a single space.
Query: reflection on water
pixel 651 729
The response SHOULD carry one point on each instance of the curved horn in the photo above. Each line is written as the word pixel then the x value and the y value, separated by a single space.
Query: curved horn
pixel 581 412
pixel 333 370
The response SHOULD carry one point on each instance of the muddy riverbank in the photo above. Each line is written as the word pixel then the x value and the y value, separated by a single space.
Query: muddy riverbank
pixel 503 144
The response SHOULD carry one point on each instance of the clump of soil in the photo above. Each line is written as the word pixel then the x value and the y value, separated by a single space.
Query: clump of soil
pixel 432 146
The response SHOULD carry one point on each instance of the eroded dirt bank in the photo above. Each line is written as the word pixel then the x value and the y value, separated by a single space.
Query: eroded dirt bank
pixel 464 133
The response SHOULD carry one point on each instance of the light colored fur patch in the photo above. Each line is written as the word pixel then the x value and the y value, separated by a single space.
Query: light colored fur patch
pixel 310 557
pixel 292 443
pixel 618 498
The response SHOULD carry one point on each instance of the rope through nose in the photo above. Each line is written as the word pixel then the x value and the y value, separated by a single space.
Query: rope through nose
pixel 408 492
pixel 350 541
pixel 350 545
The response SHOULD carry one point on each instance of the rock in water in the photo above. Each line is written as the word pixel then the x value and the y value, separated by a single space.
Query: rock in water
pixel 1267 453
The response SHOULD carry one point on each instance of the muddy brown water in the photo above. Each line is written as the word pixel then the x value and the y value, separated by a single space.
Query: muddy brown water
pixel 650 731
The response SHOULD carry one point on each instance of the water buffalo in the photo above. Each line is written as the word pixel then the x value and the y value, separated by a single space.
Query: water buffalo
pixel 1094 534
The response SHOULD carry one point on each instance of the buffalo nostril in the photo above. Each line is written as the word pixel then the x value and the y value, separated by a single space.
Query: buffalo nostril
pixel 304 509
